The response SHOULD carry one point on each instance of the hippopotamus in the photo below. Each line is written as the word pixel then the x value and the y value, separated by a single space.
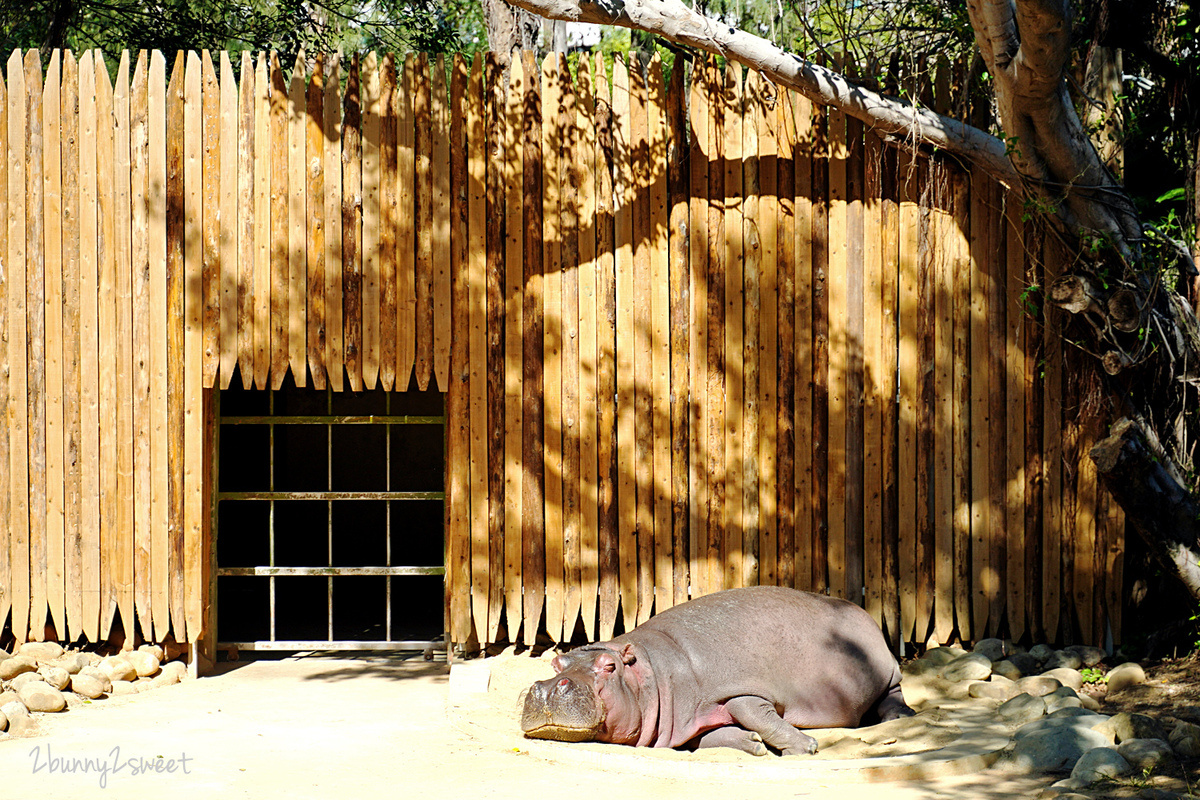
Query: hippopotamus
pixel 743 668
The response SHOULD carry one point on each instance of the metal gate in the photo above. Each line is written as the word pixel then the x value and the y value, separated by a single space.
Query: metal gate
pixel 330 520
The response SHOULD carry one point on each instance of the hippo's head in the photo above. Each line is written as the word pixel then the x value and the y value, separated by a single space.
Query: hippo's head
pixel 593 697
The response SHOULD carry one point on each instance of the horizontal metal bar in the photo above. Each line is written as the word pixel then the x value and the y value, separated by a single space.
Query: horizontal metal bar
pixel 331 495
pixel 323 571
pixel 438 645
pixel 374 419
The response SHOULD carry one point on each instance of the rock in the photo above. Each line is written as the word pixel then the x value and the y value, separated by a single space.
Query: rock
pixel 89 686
pixel 55 676
pixel 118 668
pixel 1062 697
pixel 1127 726
pixel 1098 764
pixel 9 697
pixel 970 667
pixel 1070 711
pixel 12 667
pixel 41 696
pixel 994 649
pixel 1041 652
pixel 1181 729
pixel 1082 723
pixel 1090 656
pixel 1062 658
pixel 1038 685
pixel 3 722
pixel 19 721
pixel 1026 663
pixel 154 650
pixel 1022 709
pixel 1067 676
pixel 989 690
pixel 1144 754
pixel 1008 669
pixel 120 688
pixel 44 652
pixel 1089 702
pixel 144 663
pixel 23 680
pixel 72 662
pixel 1187 747
pixel 176 668
pixel 1119 677
pixel 73 700
pixel 98 674
pixel 1052 749
pixel 941 656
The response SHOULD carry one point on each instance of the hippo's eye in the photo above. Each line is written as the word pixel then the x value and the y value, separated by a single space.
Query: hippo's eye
pixel 564 682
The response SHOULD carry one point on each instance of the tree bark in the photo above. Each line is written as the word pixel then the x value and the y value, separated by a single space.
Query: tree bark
pixel 509 28
pixel 1162 511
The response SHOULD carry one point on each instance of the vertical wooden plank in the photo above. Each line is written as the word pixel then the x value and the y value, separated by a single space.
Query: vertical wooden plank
pixel 623 267
pixel 36 366
pixel 177 122
pixel 819 427
pixel 478 105
pixel 585 207
pixel 660 336
pixel 18 465
pixel 697 283
pixel 192 354
pixel 106 251
pixel 997 406
pixel 785 131
pixel 606 380
pixel 839 346
pixel 331 128
pixel 960 250
pixel 244 170
pixel 550 347
pixel 156 211
pixel 406 256
pixel 533 493
pixel 569 197
pixel 1015 344
pixel 1053 476
pixel 768 321
pixel 715 522
pixel 889 219
pixel 642 336
pixel 855 455
pixel 677 372
pixel 124 552
pixel 228 236
pixel 734 307
pixel 457 377
pixel 72 391
pixel 297 226
pixel 873 377
pixel 423 276
pixel 211 167
pixel 52 297
pixel 491 465
pixel 803 351
pixel 372 222
pixel 315 196
pixel 142 399
pixel 280 267
pixel 910 372
pixel 981 573
pixel 352 216
pixel 440 122
pixel 389 220
pixel 89 364
pixel 751 312
pixel 263 159
pixel 943 415
pixel 6 529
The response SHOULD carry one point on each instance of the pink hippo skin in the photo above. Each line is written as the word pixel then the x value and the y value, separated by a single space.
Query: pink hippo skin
pixel 743 668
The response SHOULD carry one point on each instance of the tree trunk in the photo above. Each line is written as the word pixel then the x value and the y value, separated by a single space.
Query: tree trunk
pixel 509 28
pixel 1156 503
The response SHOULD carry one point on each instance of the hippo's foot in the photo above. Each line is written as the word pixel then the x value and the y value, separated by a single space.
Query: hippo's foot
pixel 758 715
pixel 892 706
pixel 732 736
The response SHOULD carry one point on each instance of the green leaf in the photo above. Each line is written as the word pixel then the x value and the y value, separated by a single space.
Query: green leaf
pixel 1174 194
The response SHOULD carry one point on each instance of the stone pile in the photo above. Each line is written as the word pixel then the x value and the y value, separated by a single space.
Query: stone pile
pixel 43 677
pixel 1055 726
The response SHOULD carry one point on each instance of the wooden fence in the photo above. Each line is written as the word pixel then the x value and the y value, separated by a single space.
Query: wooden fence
pixel 692 336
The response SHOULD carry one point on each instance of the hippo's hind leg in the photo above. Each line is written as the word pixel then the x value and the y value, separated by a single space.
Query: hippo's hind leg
pixel 732 736
pixel 890 706
pixel 760 716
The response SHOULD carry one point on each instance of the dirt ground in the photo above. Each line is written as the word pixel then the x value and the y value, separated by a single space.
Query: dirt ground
pixel 316 726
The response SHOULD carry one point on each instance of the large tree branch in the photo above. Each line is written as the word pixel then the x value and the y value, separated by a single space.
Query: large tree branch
pixel 888 116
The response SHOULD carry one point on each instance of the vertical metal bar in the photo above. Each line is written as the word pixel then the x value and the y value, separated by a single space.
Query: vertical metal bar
pixel 387 527
pixel 329 503
pixel 271 507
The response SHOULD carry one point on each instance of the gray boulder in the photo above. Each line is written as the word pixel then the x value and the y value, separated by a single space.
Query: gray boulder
pixel 1145 754
pixel 970 667
pixel 1038 685
pixel 941 656
pixel 1119 677
pixel 1090 656
pixel 1022 709
pixel 994 649
pixel 1063 658
pixel 1099 764
pixel 1053 749
pixel 1008 669
pixel 1041 652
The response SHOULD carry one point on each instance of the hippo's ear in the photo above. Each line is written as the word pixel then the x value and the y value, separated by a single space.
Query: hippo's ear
pixel 627 655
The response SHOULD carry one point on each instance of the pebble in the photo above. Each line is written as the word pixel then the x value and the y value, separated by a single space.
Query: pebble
pixel 44 652
pixel 970 667
pixel 1145 754
pixel 1066 676
pixel 41 696
pixel 12 667
pixel 1119 677
pixel 55 676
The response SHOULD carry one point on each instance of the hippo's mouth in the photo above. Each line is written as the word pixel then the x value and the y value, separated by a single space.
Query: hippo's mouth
pixel 561 711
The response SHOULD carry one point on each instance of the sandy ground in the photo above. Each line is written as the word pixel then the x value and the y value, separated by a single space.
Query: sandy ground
pixel 320 727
